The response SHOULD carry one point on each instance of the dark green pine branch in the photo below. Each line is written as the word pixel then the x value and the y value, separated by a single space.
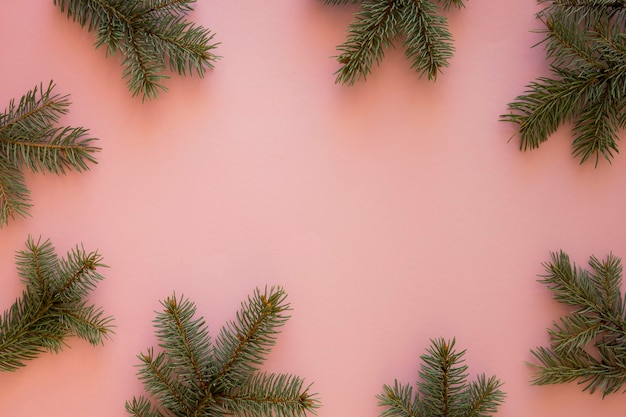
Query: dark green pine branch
pixel 585 42
pixel 150 35
pixel 379 23
pixel 29 138
pixel 587 345
pixel 53 306
pixel 443 389
pixel 192 376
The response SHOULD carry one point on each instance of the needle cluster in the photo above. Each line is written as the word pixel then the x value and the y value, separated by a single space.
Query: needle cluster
pixel 31 139
pixel 150 35
pixel 443 390
pixel 585 41
pixel 587 345
pixel 53 306
pixel 375 28
pixel 192 376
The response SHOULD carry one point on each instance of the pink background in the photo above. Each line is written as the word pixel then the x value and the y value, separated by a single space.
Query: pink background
pixel 392 212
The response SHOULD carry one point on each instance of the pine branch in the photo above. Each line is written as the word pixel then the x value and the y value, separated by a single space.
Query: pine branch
pixel 588 344
pixel 443 389
pixel 243 344
pixel 264 394
pixel 193 377
pixel 52 307
pixel 428 43
pixel 29 139
pixel 150 35
pixel 14 195
pixel 585 40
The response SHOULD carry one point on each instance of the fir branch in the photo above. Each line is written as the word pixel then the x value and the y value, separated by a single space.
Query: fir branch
pixel 443 389
pixel 29 139
pixel 585 40
pixel 193 377
pixel 51 308
pixel 14 195
pixel 150 35
pixel 269 395
pixel 428 42
pixel 588 344
pixel 243 344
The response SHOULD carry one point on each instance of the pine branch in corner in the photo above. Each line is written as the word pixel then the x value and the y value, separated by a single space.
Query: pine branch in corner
pixel 585 42
pixel 588 344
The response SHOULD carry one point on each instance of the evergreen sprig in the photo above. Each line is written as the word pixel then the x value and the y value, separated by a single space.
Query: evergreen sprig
pixel 191 376
pixel 53 306
pixel 150 35
pixel 443 390
pixel 585 40
pixel 587 345
pixel 375 28
pixel 29 138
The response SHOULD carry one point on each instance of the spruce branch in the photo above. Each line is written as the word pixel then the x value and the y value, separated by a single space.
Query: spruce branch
pixel 150 35
pixel 589 344
pixel 442 390
pixel 427 40
pixel 585 42
pixel 192 376
pixel 53 305
pixel 29 138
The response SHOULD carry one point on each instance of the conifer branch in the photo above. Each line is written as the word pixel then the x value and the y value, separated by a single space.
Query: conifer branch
pixel 29 139
pixel 443 389
pixel 150 35
pixel 53 305
pixel 428 42
pixel 193 377
pixel 585 41
pixel 588 344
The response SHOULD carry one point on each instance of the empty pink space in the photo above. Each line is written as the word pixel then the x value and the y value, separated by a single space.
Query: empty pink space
pixel 393 211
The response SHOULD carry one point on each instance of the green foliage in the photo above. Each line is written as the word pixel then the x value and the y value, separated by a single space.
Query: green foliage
pixel 427 40
pixel 585 40
pixel 192 376
pixel 443 390
pixel 587 345
pixel 150 35
pixel 53 306
pixel 29 139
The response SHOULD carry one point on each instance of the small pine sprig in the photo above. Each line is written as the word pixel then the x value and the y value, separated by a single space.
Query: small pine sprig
pixel 192 376
pixel 53 306
pixel 150 35
pixel 442 390
pixel 29 138
pixel 589 344
pixel 585 41
pixel 427 40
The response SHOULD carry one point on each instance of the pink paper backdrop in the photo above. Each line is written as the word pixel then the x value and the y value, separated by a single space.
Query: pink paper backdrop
pixel 392 212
